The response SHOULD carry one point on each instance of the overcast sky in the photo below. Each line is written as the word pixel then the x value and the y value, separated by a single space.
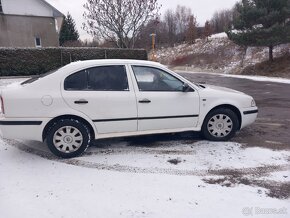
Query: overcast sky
pixel 202 9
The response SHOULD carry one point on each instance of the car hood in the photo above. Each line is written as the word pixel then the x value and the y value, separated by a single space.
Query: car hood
pixel 218 88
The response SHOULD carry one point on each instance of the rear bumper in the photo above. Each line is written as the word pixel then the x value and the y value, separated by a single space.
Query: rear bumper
pixel 249 115
pixel 26 129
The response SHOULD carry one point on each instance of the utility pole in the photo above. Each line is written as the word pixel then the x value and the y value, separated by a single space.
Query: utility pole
pixel 153 54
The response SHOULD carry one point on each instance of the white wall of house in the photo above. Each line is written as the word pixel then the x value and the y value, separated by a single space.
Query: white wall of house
pixel 27 7
pixel 25 21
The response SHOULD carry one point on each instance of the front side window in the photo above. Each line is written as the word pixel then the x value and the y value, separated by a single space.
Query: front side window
pixel 154 79
pixel 105 78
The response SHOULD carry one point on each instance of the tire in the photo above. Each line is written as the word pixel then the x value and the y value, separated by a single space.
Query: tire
pixel 220 125
pixel 68 138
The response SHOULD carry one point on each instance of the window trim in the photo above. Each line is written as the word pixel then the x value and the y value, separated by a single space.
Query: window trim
pixel 132 66
pixel 40 41
pixel 91 90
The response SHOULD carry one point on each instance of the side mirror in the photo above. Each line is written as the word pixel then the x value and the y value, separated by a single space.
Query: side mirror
pixel 186 88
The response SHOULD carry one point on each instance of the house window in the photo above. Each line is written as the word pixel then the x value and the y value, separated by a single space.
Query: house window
pixel 37 42
pixel 1 9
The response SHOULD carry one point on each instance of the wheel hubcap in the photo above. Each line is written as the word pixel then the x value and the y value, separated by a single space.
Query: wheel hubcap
pixel 67 139
pixel 220 125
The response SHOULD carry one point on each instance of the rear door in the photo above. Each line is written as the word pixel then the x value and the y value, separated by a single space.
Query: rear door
pixel 162 103
pixel 106 95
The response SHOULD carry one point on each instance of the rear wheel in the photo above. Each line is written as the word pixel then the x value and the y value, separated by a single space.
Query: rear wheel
pixel 68 138
pixel 220 125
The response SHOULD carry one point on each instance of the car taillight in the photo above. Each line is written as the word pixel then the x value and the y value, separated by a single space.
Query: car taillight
pixel 2 105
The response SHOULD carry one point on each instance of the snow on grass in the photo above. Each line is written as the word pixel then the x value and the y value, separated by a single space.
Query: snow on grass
pixel 219 35
pixel 31 186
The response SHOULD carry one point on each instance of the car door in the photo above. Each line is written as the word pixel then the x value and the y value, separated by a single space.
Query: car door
pixel 162 101
pixel 106 95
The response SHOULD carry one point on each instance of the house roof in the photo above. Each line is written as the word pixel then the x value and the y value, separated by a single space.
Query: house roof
pixel 56 13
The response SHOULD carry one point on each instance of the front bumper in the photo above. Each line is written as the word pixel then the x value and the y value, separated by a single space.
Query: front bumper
pixel 249 115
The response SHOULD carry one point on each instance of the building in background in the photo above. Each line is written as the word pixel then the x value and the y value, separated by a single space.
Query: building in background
pixel 29 23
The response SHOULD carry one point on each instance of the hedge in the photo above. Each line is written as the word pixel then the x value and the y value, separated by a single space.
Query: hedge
pixel 33 61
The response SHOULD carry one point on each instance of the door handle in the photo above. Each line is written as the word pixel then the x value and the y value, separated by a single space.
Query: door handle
pixel 145 101
pixel 81 101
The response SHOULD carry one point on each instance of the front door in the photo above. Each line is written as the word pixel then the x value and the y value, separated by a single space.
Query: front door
pixel 106 95
pixel 162 101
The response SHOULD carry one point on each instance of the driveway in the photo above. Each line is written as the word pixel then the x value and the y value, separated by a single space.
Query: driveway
pixel 273 99
pixel 168 175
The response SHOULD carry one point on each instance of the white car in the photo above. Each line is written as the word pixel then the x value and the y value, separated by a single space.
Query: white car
pixel 97 99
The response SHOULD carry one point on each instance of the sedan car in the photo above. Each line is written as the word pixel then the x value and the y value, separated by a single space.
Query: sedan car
pixel 88 100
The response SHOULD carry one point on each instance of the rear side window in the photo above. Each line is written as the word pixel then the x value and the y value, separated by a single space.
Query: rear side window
pixel 104 78
pixel 77 81
pixel 108 78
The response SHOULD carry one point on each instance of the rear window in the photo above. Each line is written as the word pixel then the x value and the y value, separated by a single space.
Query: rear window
pixel 37 77
pixel 104 78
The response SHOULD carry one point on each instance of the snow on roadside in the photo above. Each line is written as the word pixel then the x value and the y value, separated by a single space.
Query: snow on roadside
pixel 42 188
pixel 255 78
pixel 259 78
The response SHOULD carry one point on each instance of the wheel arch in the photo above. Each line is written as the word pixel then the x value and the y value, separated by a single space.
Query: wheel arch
pixel 231 107
pixel 50 124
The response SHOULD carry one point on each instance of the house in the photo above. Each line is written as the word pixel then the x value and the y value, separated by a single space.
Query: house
pixel 29 23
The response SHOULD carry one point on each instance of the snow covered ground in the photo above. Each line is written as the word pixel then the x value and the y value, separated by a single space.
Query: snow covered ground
pixel 139 181
pixel 144 178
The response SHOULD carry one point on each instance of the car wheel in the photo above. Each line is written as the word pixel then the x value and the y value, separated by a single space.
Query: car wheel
pixel 220 125
pixel 68 138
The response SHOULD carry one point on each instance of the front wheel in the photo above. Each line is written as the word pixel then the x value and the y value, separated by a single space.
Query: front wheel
pixel 68 138
pixel 220 125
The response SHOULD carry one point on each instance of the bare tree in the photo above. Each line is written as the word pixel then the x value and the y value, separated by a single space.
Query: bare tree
pixel 117 20
pixel 171 24
pixel 191 31
pixel 222 20
pixel 154 26
pixel 207 30
pixel 182 16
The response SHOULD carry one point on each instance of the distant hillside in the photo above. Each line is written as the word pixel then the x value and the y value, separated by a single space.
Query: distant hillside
pixel 218 54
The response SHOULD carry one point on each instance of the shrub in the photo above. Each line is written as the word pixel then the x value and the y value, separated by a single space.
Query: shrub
pixel 33 61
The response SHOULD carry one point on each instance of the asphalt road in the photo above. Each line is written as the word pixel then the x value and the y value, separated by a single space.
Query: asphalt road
pixel 273 99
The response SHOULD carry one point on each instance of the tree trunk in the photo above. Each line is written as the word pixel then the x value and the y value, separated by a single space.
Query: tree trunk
pixel 271 58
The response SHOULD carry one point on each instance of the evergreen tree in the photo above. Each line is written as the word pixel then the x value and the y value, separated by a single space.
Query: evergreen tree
pixel 262 23
pixel 68 31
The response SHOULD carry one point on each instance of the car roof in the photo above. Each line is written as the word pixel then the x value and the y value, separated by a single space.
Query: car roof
pixel 113 61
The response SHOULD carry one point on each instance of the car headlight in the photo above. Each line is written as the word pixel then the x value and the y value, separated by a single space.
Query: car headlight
pixel 253 103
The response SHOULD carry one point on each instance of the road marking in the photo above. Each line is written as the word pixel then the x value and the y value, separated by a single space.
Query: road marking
pixel 270 124
pixel 273 142
pixel 272 120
